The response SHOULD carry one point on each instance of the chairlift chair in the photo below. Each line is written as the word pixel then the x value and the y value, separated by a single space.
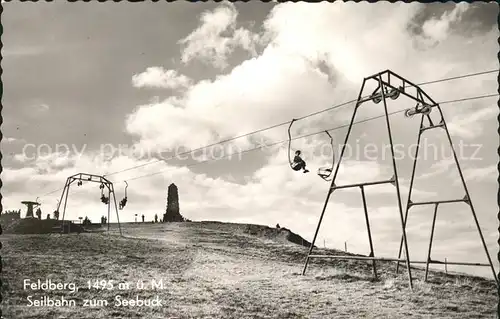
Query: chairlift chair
pixel 104 199
pixel 293 164
pixel 323 172
pixel 326 172
pixel 123 202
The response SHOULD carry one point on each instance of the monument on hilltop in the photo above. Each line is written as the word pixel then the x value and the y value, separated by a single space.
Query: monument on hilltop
pixel 172 213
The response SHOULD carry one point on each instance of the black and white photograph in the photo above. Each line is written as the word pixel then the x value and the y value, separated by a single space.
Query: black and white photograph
pixel 202 159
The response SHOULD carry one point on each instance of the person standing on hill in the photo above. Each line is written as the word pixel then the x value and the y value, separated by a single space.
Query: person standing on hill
pixel 143 218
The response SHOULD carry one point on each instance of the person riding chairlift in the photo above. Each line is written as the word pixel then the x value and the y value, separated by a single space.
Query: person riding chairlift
pixel 298 163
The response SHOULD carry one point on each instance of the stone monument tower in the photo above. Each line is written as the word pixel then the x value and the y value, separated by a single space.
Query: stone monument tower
pixel 172 213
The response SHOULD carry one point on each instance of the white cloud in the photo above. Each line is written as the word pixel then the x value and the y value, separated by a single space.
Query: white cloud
pixel 249 100
pixel 285 80
pixel 21 51
pixel 46 162
pixel 439 29
pixel 488 173
pixel 158 77
pixel 208 43
pixel 332 33
pixel 440 167
pixel 21 158
pixel 12 140
pixel 469 125
pixel 42 107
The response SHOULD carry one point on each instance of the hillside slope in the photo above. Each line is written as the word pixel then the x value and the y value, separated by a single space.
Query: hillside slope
pixel 281 234
pixel 216 270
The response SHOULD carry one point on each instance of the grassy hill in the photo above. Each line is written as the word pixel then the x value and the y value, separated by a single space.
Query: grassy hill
pixel 221 270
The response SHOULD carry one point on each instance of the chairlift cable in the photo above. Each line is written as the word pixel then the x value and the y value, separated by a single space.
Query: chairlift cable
pixel 307 135
pixel 300 118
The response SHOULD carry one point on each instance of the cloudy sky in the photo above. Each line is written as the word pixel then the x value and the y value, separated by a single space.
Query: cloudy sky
pixel 100 88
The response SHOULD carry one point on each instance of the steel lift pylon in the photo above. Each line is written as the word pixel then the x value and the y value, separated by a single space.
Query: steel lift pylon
pixel 390 86
pixel 105 183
